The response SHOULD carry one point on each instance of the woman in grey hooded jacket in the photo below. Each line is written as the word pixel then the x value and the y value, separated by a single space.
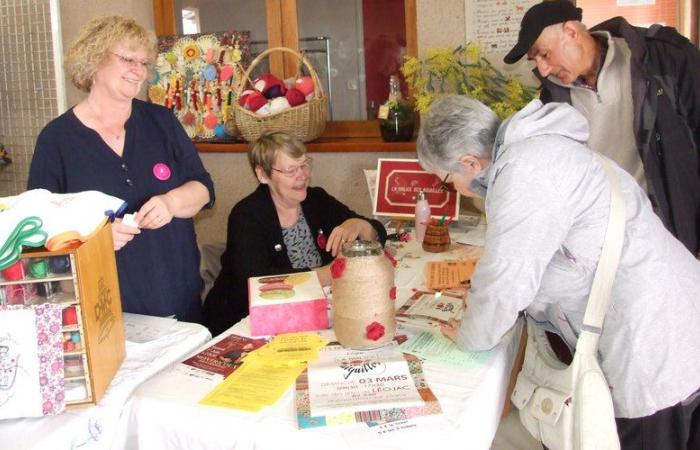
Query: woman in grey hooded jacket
pixel 547 204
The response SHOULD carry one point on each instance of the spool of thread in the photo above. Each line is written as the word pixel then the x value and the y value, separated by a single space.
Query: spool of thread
pixel 73 366
pixel 363 310
pixel 70 316
pixel 15 272
pixel 59 264
pixel 19 294
pixel 47 289
pixel 38 268
pixel 67 286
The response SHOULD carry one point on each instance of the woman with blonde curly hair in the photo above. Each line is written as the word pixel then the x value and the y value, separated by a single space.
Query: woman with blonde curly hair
pixel 137 151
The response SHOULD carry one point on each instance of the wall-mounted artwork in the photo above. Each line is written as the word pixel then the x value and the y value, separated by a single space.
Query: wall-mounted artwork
pixel 196 76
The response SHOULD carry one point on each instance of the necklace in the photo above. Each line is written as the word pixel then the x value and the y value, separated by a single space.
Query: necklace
pixel 103 126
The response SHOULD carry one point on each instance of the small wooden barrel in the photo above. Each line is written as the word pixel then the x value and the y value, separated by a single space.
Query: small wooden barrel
pixel 437 238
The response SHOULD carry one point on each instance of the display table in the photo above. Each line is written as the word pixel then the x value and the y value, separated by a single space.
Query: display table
pixel 104 426
pixel 165 412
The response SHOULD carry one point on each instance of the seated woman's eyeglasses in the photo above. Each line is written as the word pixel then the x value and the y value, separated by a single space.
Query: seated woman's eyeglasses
pixel 444 187
pixel 294 170
pixel 131 62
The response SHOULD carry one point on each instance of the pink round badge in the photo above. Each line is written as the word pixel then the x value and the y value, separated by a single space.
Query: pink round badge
pixel 161 171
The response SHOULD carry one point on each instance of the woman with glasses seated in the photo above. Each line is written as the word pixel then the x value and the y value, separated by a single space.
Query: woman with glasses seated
pixel 284 226
pixel 139 152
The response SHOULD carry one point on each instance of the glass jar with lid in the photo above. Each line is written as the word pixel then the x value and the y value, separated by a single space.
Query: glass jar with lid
pixel 363 295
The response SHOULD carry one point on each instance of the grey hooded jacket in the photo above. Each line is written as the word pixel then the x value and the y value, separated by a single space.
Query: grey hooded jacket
pixel 547 204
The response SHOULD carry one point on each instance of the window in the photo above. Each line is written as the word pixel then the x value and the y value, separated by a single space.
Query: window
pixel 680 14
pixel 337 44
pixel 190 21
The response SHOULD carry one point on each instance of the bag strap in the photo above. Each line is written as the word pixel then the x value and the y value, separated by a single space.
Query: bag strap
pixel 599 299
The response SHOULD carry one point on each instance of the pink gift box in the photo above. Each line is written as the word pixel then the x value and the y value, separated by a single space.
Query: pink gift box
pixel 286 304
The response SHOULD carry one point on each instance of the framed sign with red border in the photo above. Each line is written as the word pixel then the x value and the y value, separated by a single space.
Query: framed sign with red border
pixel 398 183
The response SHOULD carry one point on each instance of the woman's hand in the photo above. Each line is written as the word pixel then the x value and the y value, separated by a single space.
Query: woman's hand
pixel 349 230
pixel 451 330
pixel 122 234
pixel 155 213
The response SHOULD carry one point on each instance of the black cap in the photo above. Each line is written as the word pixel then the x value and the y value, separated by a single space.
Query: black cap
pixel 536 19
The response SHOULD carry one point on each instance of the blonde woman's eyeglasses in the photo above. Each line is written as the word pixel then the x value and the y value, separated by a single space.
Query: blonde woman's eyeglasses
pixel 131 62
pixel 294 170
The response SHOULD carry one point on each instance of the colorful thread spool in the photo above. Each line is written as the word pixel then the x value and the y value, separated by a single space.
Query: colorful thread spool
pixel 38 268
pixel 70 316
pixel 15 272
pixel 59 264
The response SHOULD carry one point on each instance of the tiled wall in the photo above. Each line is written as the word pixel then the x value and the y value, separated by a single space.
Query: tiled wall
pixel 27 84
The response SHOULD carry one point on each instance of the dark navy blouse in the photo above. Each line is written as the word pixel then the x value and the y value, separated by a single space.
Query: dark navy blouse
pixel 159 269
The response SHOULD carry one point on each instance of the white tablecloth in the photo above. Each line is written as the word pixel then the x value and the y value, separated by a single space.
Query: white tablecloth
pixel 165 413
pixel 104 426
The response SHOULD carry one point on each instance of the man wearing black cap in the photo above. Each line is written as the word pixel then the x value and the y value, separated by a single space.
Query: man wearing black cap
pixel 639 89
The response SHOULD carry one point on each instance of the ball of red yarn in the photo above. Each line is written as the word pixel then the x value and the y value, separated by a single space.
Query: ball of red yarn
pixel 295 97
pixel 255 101
pixel 305 85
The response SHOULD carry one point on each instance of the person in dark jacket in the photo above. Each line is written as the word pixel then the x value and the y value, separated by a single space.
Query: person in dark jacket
pixel 639 88
pixel 284 226
pixel 136 151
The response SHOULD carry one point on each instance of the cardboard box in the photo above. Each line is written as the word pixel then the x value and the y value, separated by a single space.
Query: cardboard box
pixel 286 303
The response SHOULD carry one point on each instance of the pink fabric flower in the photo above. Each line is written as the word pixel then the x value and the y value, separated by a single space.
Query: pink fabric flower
pixel 404 236
pixel 392 293
pixel 321 240
pixel 375 331
pixel 390 257
pixel 338 267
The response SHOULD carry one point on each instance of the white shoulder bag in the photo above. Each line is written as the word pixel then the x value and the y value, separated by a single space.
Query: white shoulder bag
pixel 570 407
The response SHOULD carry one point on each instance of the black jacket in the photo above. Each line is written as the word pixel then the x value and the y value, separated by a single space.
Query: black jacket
pixel 255 247
pixel 666 97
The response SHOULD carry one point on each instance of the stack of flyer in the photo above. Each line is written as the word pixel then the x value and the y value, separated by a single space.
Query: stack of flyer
pixel 375 387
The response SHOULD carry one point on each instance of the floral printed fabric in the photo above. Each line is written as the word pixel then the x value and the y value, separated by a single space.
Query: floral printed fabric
pixel 31 361
pixel 301 250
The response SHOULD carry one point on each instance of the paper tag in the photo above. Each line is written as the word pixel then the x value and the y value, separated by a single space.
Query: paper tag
pixel 383 112
pixel 130 220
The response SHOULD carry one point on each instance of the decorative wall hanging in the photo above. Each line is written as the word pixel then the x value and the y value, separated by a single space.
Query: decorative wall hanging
pixel 196 76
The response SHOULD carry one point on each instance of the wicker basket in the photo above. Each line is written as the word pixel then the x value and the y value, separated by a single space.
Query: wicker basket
pixel 306 121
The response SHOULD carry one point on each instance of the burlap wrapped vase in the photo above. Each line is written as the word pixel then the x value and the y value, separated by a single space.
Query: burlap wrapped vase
pixel 363 296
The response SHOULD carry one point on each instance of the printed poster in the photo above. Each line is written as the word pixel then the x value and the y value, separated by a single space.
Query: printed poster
pixel 495 24
pixel 375 387
pixel 397 186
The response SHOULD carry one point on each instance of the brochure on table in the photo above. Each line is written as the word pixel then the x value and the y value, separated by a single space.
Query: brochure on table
pixel 375 387
pixel 428 310
pixel 449 274
pixel 225 356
